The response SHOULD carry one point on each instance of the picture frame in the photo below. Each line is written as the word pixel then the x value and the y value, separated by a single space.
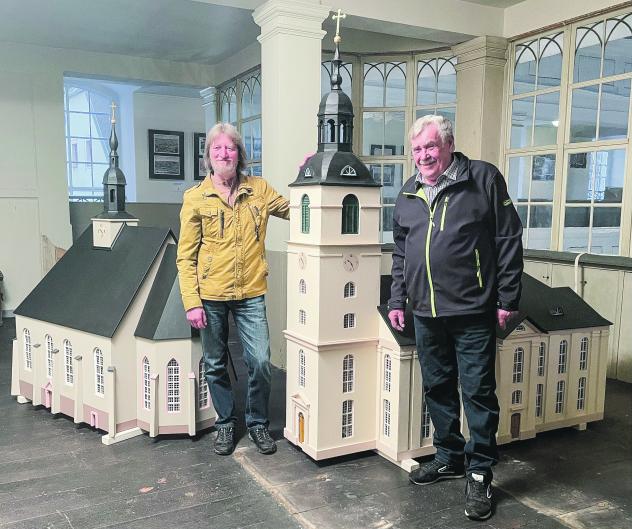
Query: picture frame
pixel 166 154
pixel 199 168
pixel 386 150
pixel 388 175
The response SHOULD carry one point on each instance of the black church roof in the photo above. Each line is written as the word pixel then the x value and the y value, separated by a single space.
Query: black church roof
pixel 334 168
pixel 547 309
pixel 90 289
pixel 163 317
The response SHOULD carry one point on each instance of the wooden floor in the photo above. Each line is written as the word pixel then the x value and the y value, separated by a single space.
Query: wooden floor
pixel 54 474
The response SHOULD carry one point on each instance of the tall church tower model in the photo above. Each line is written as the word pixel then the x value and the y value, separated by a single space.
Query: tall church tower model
pixel 333 264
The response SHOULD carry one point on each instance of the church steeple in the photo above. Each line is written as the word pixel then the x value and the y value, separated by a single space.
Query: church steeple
pixel 334 162
pixel 106 226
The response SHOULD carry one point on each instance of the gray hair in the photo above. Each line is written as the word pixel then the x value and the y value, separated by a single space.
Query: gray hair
pixel 443 124
pixel 231 131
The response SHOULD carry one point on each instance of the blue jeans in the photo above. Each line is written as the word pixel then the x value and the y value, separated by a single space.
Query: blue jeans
pixel 453 351
pixel 252 327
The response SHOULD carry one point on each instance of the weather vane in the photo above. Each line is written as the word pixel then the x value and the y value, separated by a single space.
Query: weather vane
pixel 337 17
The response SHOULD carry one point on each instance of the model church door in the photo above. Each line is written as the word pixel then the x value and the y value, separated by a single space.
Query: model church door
pixel 301 428
pixel 515 426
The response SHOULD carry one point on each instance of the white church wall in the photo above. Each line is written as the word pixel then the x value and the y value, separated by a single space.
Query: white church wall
pixel 33 187
pixel 165 112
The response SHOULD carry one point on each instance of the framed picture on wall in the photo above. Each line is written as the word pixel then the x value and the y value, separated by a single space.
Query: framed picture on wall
pixel 199 138
pixel 166 155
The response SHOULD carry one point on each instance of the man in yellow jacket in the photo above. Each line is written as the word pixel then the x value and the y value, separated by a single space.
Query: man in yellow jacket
pixel 222 268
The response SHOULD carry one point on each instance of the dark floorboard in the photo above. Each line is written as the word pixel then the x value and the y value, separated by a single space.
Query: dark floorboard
pixel 55 474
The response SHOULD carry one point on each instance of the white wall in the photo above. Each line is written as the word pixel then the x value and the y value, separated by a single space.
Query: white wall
pixel 33 188
pixel 164 112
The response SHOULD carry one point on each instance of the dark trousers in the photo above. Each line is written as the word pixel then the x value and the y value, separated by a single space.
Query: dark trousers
pixel 461 351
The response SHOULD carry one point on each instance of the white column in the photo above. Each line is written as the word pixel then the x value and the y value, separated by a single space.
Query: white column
pixel 291 36
pixel 480 79
pixel 78 389
pixel 154 426
pixel 192 407
pixel 209 104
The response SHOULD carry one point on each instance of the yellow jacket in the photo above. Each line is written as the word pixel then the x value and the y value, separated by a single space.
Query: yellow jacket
pixel 221 251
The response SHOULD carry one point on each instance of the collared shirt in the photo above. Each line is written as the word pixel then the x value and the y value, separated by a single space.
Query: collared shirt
pixel 443 181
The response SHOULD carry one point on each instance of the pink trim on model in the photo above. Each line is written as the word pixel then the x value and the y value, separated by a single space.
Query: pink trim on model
pixel 127 425
pixel 203 425
pixel 26 389
pixel 102 418
pixel 173 429
pixel 143 425
pixel 47 395
pixel 66 406
pixel 94 419
pixel 191 375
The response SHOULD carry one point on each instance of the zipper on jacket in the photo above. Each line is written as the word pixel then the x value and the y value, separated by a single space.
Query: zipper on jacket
pixel 221 223
pixel 421 194
pixel 445 206
pixel 479 276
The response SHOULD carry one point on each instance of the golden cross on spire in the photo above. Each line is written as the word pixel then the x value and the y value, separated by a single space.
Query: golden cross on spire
pixel 337 17
pixel 113 119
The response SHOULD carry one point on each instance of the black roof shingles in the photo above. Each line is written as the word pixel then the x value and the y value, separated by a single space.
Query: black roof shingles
pixel 90 289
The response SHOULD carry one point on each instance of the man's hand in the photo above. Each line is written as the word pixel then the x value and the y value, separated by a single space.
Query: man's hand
pixel 197 317
pixel 305 160
pixel 504 317
pixel 396 317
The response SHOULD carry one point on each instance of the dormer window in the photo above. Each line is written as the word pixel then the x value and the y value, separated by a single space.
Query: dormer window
pixel 556 311
pixel 308 172
pixel 347 170
pixel 350 214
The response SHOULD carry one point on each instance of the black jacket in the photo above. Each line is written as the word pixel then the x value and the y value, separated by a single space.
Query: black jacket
pixel 463 255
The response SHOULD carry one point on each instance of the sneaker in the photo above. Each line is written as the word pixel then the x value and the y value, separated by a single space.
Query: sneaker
pixel 225 440
pixel 435 471
pixel 261 437
pixel 478 497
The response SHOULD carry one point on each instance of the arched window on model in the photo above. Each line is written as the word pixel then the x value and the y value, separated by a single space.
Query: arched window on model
pixel 539 395
pixel 302 287
pixel 561 364
pixel 49 356
pixel 28 350
pixel 518 365
pixel 348 374
pixel 301 368
pixel 173 386
pixel 388 373
pixel 99 378
pixel 541 359
pixel 331 131
pixel 583 354
pixel 387 417
pixel 347 419
pixel 68 367
pixel 559 396
pixel 302 317
pixel 350 290
pixel 425 422
pixel 350 214
pixel 146 385
pixel 305 214
pixel 349 321
pixel 202 386
pixel 581 393
pixel 516 397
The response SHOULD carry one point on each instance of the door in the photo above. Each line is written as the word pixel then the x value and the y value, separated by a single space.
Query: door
pixel 301 428
pixel 515 425
pixel 94 419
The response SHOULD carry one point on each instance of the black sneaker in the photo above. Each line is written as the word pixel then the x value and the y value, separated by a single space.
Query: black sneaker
pixel 225 440
pixel 261 437
pixel 478 497
pixel 435 471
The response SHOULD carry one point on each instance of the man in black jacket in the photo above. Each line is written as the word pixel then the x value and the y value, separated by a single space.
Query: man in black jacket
pixel 457 262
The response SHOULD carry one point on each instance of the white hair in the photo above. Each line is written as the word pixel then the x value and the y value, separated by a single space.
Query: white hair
pixel 443 124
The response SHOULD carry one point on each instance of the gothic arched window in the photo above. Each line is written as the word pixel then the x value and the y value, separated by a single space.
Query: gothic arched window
pixel 305 214
pixel 350 214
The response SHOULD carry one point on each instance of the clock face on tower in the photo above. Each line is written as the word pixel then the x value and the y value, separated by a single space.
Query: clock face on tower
pixel 350 262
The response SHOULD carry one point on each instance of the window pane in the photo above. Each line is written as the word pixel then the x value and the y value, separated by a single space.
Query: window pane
pixel 446 86
pixel 256 138
pixel 613 113
pixel 79 124
pixel 524 73
pixel 376 172
pixel 394 133
pixel 100 151
pixel 450 113
pixel 256 97
pixel 550 67
pixel 246 109
pixel 255 170
pixel 546 118
pixel 576 223
pixel 372 133
pixel 606 231
pixel 101 126
pixel 225 110
pixel 580 177
pixel 584 114
pixel 519 179
pixel 80 150
pixel 387 218
pixel 81 175
pixel 588 52
pixel 608 170
pixel 325 83
pixel 521 122
pixel 426 83
pixel 77 99
pixel 246 134
pixel 373 85
pixel 618 46
pixel 396 84
pixel 100 104
pixel 540 227
pixel 522 213
pixel 392 179
pixel 543 176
